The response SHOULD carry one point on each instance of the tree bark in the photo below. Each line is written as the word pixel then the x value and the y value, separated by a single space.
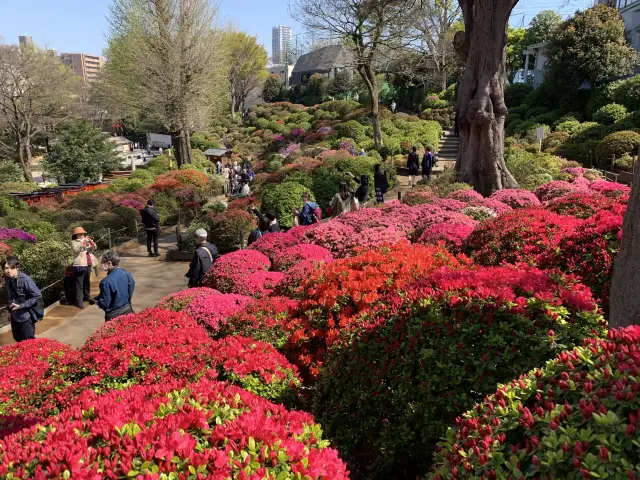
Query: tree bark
pixel 369 79
pixel 26 168
pixel 480 104
pixel 182 150
pixel 625 301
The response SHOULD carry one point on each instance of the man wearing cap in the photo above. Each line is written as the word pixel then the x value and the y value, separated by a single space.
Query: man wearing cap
pixel 203 258
pixel 151 221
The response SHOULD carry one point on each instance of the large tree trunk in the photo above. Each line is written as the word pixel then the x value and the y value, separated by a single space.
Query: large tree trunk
pixel 480 104
pixel 625 301
pixel 24 164
pixel 181 147
pixel 369 79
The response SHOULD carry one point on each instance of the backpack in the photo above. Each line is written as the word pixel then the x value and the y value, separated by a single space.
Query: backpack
pixel 37 311
pixel 317 215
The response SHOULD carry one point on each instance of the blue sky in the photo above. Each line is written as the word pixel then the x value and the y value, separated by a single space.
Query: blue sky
pixel 80 25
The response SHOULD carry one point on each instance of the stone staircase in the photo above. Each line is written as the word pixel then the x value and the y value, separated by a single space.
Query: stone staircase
pixel 447 151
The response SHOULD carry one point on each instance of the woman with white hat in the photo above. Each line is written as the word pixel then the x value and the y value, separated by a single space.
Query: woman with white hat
pixel 83 262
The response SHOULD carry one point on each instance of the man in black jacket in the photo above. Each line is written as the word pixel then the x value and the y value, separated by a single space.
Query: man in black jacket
pixel 413 162
pixel 151 221
pixel 203 258
pixel 268 218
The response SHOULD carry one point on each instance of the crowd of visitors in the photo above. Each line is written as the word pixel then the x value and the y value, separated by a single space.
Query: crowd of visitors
pixel 237 176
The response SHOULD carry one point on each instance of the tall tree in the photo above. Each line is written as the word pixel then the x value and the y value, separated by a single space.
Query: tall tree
pixel 273 89
pixel 590 47
pixel 166 58
pixel 37 92
pixel 480 100
pixel 82 152
pixel 436 24
pixel 248 68
pixel 340 84
pixel 542 26
pixel 368 27
pixel 515 45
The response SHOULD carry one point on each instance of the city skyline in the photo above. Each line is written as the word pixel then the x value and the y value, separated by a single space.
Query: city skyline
pixel 77 28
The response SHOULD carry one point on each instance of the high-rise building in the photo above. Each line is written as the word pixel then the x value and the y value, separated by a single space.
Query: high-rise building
pixel 25 41
pixel 85 66
pixel 281 50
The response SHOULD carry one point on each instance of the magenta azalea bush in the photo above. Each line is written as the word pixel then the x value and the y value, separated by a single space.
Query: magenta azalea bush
pixel 230 269
pixel 516 198
pixel 451 233
pixel 291 256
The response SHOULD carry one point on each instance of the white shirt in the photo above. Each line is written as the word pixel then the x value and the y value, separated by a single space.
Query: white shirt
pixel 246 191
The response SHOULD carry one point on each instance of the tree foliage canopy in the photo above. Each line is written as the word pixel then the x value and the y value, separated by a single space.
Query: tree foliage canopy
pixel 248 68
pixel 542 26
pixel 272 90
pixel 590 47
pixel 516 43
pixel 81 153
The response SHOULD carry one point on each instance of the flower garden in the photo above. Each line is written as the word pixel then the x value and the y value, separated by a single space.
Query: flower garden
pixel 446 335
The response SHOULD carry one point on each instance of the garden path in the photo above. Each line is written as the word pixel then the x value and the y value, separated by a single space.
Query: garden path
pixel 154 278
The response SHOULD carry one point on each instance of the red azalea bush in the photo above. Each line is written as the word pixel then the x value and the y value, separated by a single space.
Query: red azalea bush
pixel 452 234
pixel 518 236
pixel 258 284
pixel 32 374
pixel 258 368
pixel 420 359
pixel 589 253
pixel 610 189
pixel 516 198
pixel 576 417
pixel 337 291
pixel 273 244
pixel 466 196
pixel 179 178
pixel 555 189
pixel 372 218
pixel 267 320
pixel 297 253
pixel 206 430
pixel 178 301
pixel 429 218
pixel 147 347
pixel 5 250
pixel 212 311
pixel 580 204
pixel 299 232
pixel 231 269
pixel 289 286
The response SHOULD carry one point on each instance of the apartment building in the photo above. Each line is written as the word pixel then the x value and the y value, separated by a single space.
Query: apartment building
pixel 630 13
pixel 281 48
pixel 84 65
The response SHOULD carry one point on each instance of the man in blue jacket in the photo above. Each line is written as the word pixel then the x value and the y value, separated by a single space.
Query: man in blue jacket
pixel 24 300
pixel 308 214
pixel 116 289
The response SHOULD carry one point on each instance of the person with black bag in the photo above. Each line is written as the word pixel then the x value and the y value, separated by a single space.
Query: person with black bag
pixel 380 183
pixel 24 301
pixel 151 221
pixel 116 289
pixel 203 258
pixel 413 161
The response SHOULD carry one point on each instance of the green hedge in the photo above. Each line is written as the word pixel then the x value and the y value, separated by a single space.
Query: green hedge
pixel 282 199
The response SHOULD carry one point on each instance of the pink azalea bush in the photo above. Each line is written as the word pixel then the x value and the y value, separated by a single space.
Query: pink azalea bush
pixel 451 233
pixel 213 311
pixel 610 189
pixel 257 284
pixel 180 300
pixel 272 243
pixel 334 236
pixel 467 196
pixel 294 255
pixel 231 269
pixel 555 189
pixel 500 208
pixel 516 198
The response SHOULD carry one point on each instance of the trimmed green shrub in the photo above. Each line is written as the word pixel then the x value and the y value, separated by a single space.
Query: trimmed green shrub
pixel 516 93
pixel 229 230
pixel 167 207
pixel 216 184
pixel 273 166
pixel 283 199
pixel 92 203
pixel 143 174
pixel 590 131
pixel 45 263
pixel 569 126
pixel 127 185
pixel 627 93
pixel 351 129
pixel 610 114
pixel 618 144
pixel 432 101
pixel 326 182
pixel 9 204
pixel 555 140
pixel 531 169
pixel 17 187
pixel 32 223
pixel 9 172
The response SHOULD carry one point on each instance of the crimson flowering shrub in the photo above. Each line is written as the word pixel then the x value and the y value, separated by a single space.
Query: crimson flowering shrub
pixel 175 179
pixel 206 430
pixel 257 367
pixel 580 204
pixel 610 189
pixel 518 236
pixel 274 243
pixel 372 218
pixel 267 320
pixel 258 284
pixel 576 417
pixel 212 311
pixel 450 233
pixel 231 268
pixel 31 375
pixel 297 253
pixel 466 196
pixel 334 236
pixel 299 232
pixel 555 189
pixel 178 301
pixel 335 292
pixel 429 216
pixel 289 286
pixel 516 198
pixel 589 253
pixel 5 250
pixel 420 359
pixel 148 347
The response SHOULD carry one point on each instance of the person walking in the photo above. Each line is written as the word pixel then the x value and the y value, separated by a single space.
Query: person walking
pixel 205 255
pixel 380 183
pixel 151 221
pixel 245 191
pixel 309 213
pixel 219 167
pixel 116 289
pixel 413 160
pixel 24 301
pixel 428 162
pixel 83 261
pixel 343 201
pixel 393 107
